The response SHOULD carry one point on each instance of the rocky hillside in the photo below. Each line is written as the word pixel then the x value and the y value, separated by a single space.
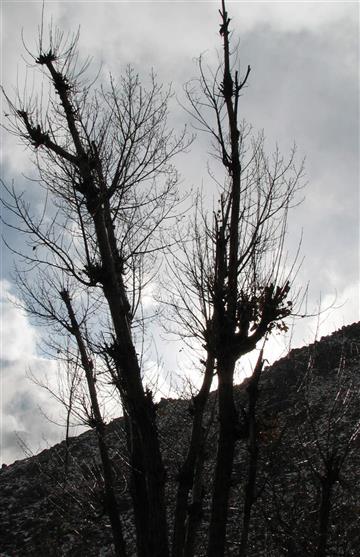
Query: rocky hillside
pixel 308 415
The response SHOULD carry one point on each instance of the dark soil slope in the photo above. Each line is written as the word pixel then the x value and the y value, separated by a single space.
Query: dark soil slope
pixel 307 416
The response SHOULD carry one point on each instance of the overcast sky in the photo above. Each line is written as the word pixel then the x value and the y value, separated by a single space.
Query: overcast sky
pixel 303 87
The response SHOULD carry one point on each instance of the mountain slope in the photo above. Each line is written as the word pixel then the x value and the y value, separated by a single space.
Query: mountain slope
pixel 307 417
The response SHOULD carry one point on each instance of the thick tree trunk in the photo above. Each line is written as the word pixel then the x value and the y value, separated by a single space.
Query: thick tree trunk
pixel 155 479
pixel 138 490
pixel 139 407
pixel 191 465
pixel 253 446
pixel 145 457
pixel 327 484
pixel 228 434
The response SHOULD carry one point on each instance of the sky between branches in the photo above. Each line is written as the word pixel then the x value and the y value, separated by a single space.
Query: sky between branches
pixel 303 87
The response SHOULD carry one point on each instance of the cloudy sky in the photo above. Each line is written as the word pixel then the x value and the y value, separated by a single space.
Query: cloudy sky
pixel 303 87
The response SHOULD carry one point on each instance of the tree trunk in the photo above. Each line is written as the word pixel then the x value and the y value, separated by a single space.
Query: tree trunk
pixel 250 488
pixel 196 508
pixel 138 490
pixel 67 436
pixel 249 500
pixel 228 434
pixel 155 480
pixel 191 465
pixel 324 515
pixel 110 498
pixel 139 407
pixel 149 478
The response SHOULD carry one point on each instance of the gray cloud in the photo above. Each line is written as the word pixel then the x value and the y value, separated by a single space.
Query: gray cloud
pixel 303 86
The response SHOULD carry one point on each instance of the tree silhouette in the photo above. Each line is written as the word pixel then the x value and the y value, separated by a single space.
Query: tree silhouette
pixel 105 160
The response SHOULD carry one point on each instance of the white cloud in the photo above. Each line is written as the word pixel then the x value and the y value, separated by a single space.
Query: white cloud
pixel 18 338
pixel 22 402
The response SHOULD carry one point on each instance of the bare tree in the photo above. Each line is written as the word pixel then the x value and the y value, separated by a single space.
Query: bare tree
pixel 98 423
pixel 250 492
pixel 104 159
pixel 233 279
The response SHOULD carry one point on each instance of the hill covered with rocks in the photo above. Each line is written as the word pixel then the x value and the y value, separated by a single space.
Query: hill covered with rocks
pixel 308 418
